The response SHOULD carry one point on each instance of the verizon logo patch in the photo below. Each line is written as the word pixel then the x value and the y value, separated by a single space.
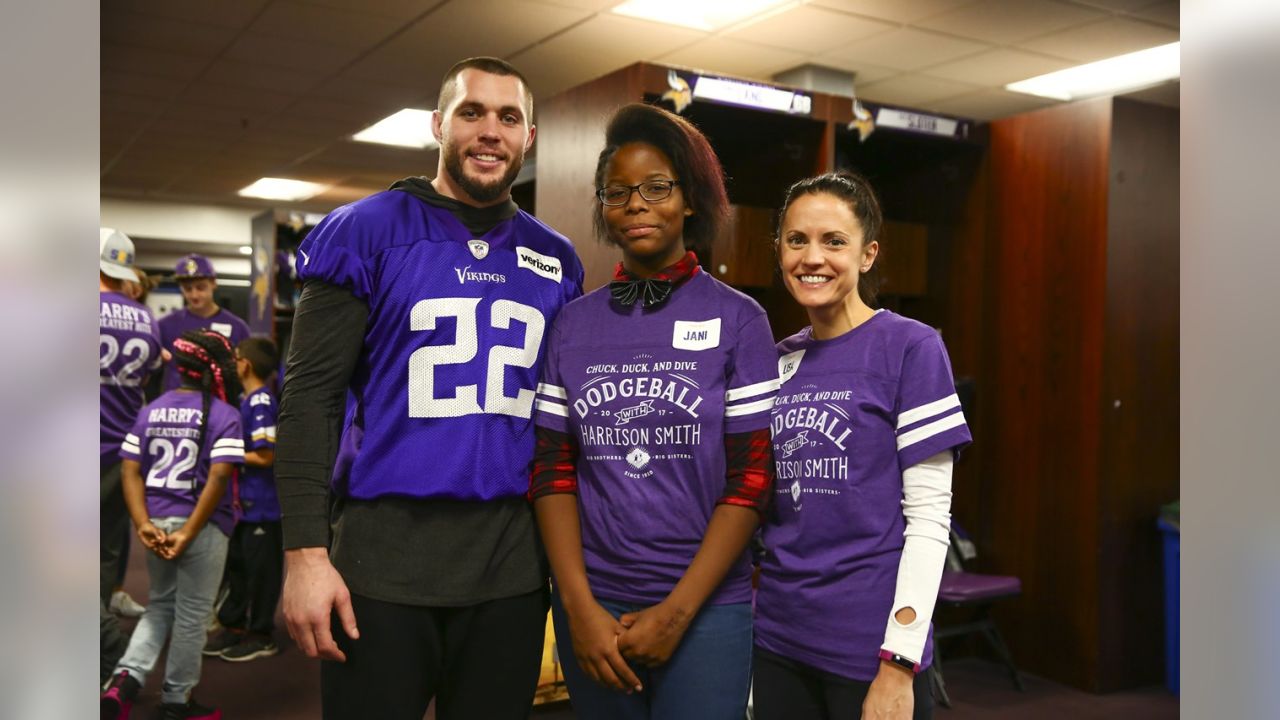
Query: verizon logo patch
pixel 544 265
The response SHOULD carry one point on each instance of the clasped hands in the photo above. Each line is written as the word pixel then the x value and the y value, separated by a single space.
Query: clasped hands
pixel 166 545
pixel 603 644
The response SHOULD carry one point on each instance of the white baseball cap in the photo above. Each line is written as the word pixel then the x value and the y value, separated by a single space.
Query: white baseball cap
pixel 116 254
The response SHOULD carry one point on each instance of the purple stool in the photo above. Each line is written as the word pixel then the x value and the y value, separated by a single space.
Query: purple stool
pixel 966 589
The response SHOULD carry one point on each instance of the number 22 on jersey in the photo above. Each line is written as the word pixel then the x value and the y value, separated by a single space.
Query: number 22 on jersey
pixel 465 401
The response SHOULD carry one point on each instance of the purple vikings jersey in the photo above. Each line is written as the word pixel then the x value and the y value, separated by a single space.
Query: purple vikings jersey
pixel 852 413
pixel 175 460
pixel 179 321
pixel 649 396
pixel 257 485
pixel 128 351
pixel 443 408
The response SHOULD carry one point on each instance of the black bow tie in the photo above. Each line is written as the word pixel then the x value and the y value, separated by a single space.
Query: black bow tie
pixel 654 291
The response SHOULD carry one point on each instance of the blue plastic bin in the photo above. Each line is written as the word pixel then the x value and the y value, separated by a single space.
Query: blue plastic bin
pixel 1172 560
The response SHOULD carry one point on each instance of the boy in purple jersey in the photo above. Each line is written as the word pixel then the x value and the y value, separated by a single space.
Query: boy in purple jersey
pixel 255 561
pixel 186 445
pixel 128 352
pixel 865 429
pixel 653 456
pixel 197 280
pixel 411 375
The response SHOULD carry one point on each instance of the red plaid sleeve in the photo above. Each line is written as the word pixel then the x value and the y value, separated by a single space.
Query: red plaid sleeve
pixel 749 470
pixel 555 464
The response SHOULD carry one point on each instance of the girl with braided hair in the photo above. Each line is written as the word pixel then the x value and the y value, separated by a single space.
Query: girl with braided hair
pixel 177 462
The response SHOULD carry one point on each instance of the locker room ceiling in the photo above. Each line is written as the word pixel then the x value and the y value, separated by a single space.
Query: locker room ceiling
pixel 199 99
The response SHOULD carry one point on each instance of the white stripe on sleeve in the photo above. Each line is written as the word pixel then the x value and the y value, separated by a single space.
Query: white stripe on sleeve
pixel 550 407
pixel 554 391
pixel 749 408
pixel 751 390
pixel 924 432
pixel 928 410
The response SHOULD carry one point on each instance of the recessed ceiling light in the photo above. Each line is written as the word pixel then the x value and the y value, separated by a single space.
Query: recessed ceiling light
pixel 281 189
pixel 1113 75
pixel 407 128
pixel 696 14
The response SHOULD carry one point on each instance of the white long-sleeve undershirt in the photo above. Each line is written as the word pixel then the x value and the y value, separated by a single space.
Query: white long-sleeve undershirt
pixel 926 503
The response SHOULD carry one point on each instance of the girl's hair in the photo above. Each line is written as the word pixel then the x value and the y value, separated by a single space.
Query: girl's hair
pixel 694 162
pixel 206 361
pixel 856 192
pixel 144 282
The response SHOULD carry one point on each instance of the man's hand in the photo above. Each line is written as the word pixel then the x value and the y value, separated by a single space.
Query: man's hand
pixel 313 589
pixel 653 634
pixel 890 696
pixel 595 645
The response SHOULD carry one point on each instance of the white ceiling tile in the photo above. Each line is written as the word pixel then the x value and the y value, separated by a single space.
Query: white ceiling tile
pixel 293 53
pixel 146 61
pixel 1103 39
pixel 734 57
pixel 325 25
pixel 1166 12
pixel 915 91
pixel 257 101
pixel 997 67
pixel 863 73
pixel 357 90
pixel 146 85
pixel 398 9
pixel 224 13
pixel 908 49
pixel 990 104
pixel 251 75
pixel 811 30
pixel 159 33
pixel 1010 21
pixel 900 11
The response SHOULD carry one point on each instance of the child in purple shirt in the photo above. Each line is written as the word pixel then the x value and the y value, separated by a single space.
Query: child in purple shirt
pixel 653 455
pixel 864 431
pixel 178 459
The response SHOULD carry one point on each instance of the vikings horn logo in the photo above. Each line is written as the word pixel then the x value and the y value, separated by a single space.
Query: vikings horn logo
pixel 191 267
pixel 680 95
pixel 863 121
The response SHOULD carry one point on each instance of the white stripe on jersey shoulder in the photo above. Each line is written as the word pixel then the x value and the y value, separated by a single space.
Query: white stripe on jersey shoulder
pixel 553 391
pixel 229 443
pixel 227 454
pixel 131 438
pixel 132 449
pixel 924 432
pixel 927 410
pixel 552 407
pixel 749 408
pixel 750 390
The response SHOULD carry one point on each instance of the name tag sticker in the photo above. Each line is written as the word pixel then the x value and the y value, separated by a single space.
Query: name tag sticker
pixel 691 335
pixel 788 365
pixel 548 266
pixel 223 329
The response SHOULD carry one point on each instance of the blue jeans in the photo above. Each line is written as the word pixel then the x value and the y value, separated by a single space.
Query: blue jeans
pixel 181 598
pixel 707 678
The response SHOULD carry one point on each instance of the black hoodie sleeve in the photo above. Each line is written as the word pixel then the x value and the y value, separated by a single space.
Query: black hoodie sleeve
pixel 328 334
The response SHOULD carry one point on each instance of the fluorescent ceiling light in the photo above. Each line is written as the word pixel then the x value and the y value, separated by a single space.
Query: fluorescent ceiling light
pixel 407 128
pixel 281 189
pixel 696 14
pixel 1118 74
pixel 246 249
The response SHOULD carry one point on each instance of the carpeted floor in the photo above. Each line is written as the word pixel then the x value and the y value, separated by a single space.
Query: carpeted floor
pixel 287 687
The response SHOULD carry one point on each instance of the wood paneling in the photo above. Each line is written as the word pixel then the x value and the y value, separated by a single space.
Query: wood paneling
pixel 1042 379
pixel 743 254
pixel 1139 407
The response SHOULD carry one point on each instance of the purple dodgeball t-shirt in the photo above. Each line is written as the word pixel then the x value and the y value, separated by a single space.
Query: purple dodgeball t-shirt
pixel 128 351
pixel 441 404
pixel 175 459
pixel 179 321
pixel 853 412
pixel 649 396
pixel 257 485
